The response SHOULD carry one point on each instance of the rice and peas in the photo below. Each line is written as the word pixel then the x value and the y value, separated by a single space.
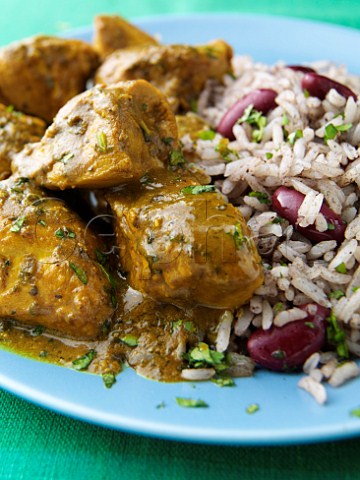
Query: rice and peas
pixel 311 146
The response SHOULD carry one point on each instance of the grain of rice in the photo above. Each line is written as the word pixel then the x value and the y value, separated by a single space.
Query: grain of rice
pixel 311 362
pixel 223 331
pixel 316 389
pixel 343 373
pixel 243 320
pixel 197 374
pixel 287 316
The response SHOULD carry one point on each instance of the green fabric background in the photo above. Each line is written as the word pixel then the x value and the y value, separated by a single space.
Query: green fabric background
pixel 39 444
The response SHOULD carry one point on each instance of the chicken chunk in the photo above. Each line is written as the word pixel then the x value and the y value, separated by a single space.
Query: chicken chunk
pixel 40 74
pixel 181 242
pixel 16 130
pixel 49 275
pixel 112 32
pixel 104 137
pixel 179 71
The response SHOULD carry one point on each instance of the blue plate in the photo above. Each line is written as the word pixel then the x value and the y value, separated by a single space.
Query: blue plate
pixel 287 415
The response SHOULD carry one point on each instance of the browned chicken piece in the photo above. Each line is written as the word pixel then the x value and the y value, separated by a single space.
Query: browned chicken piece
pixel 49 275
pixel 112 32
pixel 179 71
pixel 181 242
pixel 104 137
pixel 16 130
pixel 40 74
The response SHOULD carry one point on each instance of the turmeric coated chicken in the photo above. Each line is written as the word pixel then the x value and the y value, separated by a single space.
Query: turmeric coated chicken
pixel 179 71
pixel 49 275
pixel 181 242
pixel 16 130
pixel 40 74
pixel 112 32
pixel 104 137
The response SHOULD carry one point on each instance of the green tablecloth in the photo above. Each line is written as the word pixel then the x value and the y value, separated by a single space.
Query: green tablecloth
pixel 38 444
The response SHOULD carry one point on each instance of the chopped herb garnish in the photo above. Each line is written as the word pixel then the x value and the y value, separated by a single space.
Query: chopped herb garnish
pixel 197 189
pixel 10 108
pixel 102 141
pixel 17 225
pixel 278 354
pixel 65 158
pixel 306 93
pixel 223 148
pixel 223 381
pixel 191 403
pixel 109 379
pixel 269 155
pixel 176 158
pixel 193 105
pixel 278 219
pixel 100 256
pixel 355 289
pixel 202 356
pixel 278 307
pixel 332 130
pixel 84 361
pixel 336 336
pixel 310 324
pixel 285 120
pixel 292 137
pixel 42 223
pixel 261 196
pixel 161 405
pixel 336 294
pixel 43 354
pixel 37 331
pixel 176 325
pixel 65 233
pixel 256 119
pixel 21 180
pixel 330 226
pixel 130 340
pixel 355 412
pixel 168 140
pixel 254 407
pixel 341 268
pixel 239 238
pixel 189 326
pixel 206 134
pixel 80 273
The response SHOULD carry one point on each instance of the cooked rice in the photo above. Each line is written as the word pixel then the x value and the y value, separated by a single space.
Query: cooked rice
pixel 296 271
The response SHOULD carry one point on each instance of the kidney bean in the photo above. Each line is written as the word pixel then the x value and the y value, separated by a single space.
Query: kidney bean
pixel 262 100
pixel 286 348
pixel 286 202
pixel 301 68
pixel 319 85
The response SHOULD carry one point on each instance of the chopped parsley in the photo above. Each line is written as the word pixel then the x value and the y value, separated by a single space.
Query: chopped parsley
pixel 255 119
pixel 109 379
pixel 239 237
pixel 278 307
pixel 21 180
pixel 82 363
pixel 310 325
pixel 130 340
pixel 102 141
pixel 80 273
pixel 223 148
pixel 66 157
pixel 17 225
pixel 206 134
pixel 65 233
pixel 167 140
pixel 191 403
pixel 336 294
pixel 42 223
pixel 269 155
pixel 261 196
pixel 341 268
pixel 197 189
pixel 292 137
pixel 285 120
pixel 203 356
pixel 176 158
pixel 278 354
pixel 254 407
pixel 332 130
pixel 37 331
pixel 355 412
pixel 223 381
pixel 336 336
